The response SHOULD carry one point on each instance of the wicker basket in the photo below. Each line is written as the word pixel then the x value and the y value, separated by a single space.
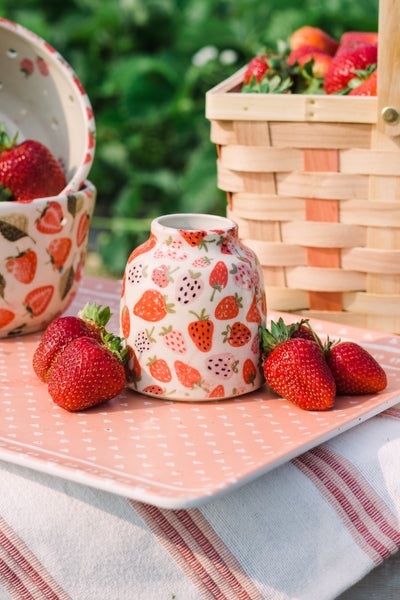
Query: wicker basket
pixel 314 185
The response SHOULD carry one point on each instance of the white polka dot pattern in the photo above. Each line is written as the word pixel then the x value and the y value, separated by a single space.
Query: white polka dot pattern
pixel 172 454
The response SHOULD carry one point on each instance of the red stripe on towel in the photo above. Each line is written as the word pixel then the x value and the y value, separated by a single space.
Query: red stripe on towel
pixel 24 573
pixel 200 553
pixel 393 412
pixel 370 522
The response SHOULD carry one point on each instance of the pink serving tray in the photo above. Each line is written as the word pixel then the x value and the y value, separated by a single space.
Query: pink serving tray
pixel 171 454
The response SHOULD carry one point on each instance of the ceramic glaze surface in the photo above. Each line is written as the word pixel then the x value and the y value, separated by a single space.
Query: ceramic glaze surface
pixel 41 98
pixel 42 249
pixel 191 306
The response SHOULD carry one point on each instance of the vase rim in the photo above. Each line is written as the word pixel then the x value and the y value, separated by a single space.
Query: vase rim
pixel 194 221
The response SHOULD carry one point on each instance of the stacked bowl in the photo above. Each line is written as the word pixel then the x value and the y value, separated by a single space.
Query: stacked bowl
pixel 43 241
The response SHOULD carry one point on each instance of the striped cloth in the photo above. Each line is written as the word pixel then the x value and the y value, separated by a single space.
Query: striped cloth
pixel 307 530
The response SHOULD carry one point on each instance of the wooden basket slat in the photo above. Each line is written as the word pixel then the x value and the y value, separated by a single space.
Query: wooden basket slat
pixel 371 260
pixel 328 186
pixel 324 280
pixel 322 235
pixel 297 135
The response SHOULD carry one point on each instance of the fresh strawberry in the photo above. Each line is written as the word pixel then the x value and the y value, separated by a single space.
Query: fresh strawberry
pixel 256 68
pixel 201 331
pixel 320 60
pixel 23 266
pixel 346 63
pixel 87 372
pixel 355 370
pixel 368 37
pixel 313 36
pixel 302 330
pixel 367 87
pixel 296 369
pixel 28 170
pixel 90 322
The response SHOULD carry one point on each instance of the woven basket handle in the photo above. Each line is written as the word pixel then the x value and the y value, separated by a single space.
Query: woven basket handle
pixel 388 118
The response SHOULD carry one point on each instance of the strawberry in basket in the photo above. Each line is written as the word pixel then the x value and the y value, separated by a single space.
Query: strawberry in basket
pixel 28 170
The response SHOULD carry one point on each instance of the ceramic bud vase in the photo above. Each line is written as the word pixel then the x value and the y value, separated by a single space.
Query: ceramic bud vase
pixel 192 303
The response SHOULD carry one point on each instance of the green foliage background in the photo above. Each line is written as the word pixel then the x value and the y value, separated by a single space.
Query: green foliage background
pixel 146 66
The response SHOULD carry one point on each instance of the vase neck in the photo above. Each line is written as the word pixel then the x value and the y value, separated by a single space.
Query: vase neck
pixel 194 228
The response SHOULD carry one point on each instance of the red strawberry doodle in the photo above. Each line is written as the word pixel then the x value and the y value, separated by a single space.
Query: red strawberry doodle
pixel 217 392
pixel 51 218
pixel 125 321
pixel 188 376
pixel 253 314
pixel 83 228
pixel 218 277
pixel 159 369
pixel 152 306
pixel 6 316
pixel 193 238
pixel 201 331
pixel 228 307
pixel 237 335
pixel 42 66
pixel 38 299
pixel 249 371
pixel 143 248
pixel 154 389
pixel 23 266
pixel 59 250
pixel 27 66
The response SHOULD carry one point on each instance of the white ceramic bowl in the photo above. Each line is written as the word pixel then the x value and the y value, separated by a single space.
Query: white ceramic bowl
pixel 42 249
pixel 42 98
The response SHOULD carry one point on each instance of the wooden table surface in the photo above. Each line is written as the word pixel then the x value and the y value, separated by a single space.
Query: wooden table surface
pixel 383 583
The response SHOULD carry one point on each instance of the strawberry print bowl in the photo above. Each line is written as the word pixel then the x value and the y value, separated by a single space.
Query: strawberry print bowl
pixel 41 98
pixel 191 307
pixel 42 249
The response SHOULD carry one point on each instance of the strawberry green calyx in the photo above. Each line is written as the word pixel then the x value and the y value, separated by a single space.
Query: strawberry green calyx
pixel 117 345
pixel 5 142
pixel 279 332
pixel 95 314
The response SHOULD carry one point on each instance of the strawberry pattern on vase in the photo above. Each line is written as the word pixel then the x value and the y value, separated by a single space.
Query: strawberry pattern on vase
pixel 192 303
